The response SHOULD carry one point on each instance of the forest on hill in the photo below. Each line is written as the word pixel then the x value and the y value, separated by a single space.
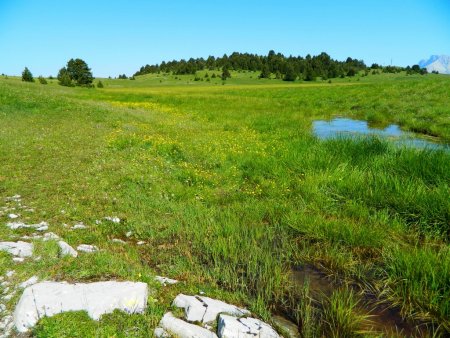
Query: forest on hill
pixel 274 64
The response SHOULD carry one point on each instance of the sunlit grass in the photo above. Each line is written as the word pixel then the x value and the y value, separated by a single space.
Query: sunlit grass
pixel 230 189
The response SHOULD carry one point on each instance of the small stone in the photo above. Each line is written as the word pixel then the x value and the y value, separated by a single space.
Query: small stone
pixel 79 226
pixel 113 219
pixel 164 280
pixel 66 249
pixel 5 321
pixel 129 233
pixel 18 259
pixel 29 282
pixel 7 298
pixel 50 236
pixel 16 225
pixel 42 228
pixel 87 248
pixel 231 327
pixel 13 216
pixel 140 243
pixel 10 273
pixel 116 240
pixel 179 328
pixel 2 307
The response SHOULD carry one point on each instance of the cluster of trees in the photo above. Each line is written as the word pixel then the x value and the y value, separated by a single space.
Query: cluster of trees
pixel 274 64
pixel 76 73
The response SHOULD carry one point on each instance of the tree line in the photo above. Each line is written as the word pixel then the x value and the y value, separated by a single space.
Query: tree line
pixel 274 64
pixel 288 68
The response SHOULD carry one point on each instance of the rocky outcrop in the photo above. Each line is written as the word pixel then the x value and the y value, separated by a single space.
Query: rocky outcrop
pixel 18 249
pixel 179 328
pixel 47 299
pixel 205 309
pixel 232 327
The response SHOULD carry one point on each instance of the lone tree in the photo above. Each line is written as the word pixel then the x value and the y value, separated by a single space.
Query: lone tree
pixel 27 76
pixel 78 72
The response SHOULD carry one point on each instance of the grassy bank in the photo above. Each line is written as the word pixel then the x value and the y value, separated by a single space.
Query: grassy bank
pixel 230 190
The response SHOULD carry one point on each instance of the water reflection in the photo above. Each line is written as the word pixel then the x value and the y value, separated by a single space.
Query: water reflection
pixel 345 127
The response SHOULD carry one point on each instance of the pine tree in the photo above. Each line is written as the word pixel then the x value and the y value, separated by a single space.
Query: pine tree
pixel 79 72
pixel 27 76
pixel 64 78
pixel 290 74
pixel 225 73
pixel 265 73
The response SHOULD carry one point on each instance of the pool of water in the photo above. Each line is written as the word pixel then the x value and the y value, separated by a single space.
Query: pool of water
pixel 345 127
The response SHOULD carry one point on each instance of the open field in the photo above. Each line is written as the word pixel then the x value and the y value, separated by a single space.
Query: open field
pixel 232 193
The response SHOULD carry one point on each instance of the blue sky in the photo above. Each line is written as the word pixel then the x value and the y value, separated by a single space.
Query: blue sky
pixel 118 36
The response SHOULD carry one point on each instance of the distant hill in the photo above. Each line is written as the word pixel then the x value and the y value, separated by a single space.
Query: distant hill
pixel 439 63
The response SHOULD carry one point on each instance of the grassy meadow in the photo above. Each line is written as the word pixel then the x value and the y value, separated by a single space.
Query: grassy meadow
pixel 232 192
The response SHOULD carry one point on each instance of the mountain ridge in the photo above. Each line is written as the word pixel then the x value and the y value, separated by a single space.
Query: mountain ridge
pixel 438 63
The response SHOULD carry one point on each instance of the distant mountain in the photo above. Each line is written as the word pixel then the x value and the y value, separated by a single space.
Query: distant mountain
pixel 439 63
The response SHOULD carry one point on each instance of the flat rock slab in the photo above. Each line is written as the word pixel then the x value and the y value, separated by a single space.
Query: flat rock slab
pixel 205 309
pixel 87 248
pixel 232 327
pixel 47 299
pixel 181 329
pixel 17 249
pixel 21 225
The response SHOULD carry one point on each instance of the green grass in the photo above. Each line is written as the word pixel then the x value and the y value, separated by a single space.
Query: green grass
pixel 230 189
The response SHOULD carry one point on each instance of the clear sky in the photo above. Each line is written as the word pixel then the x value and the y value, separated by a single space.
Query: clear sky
pixel 118 36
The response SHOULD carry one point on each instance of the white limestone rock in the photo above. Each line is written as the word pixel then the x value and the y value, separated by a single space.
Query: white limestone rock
pixel 48 236
pixel 181 329
pixel 20 225
pixel 10 273
pixel 231 327
pixel 205 309
pixel 119 241
pixel 165 281
pixel 66 250
pixel 18 249
pixel 87 248
pixel 29 282
pixel 79 226
pixel 13 216
pixel 47 299
pixel 161 333
pixel 112 219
